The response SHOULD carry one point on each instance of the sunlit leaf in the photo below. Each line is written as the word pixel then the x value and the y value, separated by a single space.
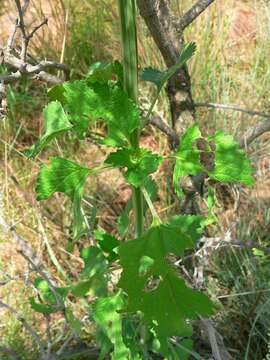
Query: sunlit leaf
pixel 56 122
pixel 107 316
pixel 231 163
pixel 159 78
pixel 140 163
pixel 67 177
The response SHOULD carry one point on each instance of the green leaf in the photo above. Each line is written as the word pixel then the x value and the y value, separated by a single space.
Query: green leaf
pixel 103 71
pixel 106 314
pixel 48 297
pixel 56 122
pixel 187 157
pixel 81 288
pixel 67 177
pixel 94 278
pixel 41 308
pixel 108 244
pixel 140 163
pixel 104 343
pixel 190 225
pixel 63 176
pixel 56 93
pixel 94 262
pixel 231 163
pixel 219 156
pixel 86 103
pixel 46 293
pixel 160 78
pixel 163 298
pixel 74 323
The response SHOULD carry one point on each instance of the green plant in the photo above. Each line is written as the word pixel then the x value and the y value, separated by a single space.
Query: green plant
pixel 137 316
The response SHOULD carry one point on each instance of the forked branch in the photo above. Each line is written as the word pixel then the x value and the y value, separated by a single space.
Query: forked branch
pixel 16 57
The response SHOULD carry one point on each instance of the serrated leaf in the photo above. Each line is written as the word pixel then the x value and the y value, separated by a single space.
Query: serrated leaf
pixel 106 314
pixel 67 177
pixel 94 278
pixel 189 224
pixel 140 163
pixel 86 102
pixel 187 157
pixel 94 261
pixel 219 156
pixel 231 163
pixel 159 78
pixel 103 71
pixel 168 304
pixel 108 244
pixel 56 123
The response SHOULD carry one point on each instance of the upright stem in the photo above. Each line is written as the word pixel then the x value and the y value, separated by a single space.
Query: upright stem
pixel 127 11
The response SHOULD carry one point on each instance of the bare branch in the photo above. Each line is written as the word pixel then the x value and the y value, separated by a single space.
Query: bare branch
pixel 254 132
pixel 233 107
pixel 32 33
pixel 18 59
pixel 32 71
pixel 250 135
pixel 193 13
pixel 157 122
pixel 21 25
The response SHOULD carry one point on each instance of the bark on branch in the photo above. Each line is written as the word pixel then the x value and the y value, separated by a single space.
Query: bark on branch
pixel 193 13
pixel 16 57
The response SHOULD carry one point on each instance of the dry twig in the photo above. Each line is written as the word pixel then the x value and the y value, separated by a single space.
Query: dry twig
pixel 16 57
pixel 193 13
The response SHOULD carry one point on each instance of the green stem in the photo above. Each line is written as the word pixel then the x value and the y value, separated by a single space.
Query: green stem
pixel 127 12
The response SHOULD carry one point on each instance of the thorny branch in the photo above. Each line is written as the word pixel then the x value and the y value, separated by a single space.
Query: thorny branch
pixel 16 57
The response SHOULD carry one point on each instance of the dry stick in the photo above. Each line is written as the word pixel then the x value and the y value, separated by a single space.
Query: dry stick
pixel 33 71
pixel 20 64
pixel 166 129
pixel 21 25
pixel 193 13
pixel 233 107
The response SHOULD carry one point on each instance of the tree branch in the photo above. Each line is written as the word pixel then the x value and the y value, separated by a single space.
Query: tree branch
pixel 232 107
pixel 193 13
pixel 250 135
pixel 254 132
pixel 18 60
